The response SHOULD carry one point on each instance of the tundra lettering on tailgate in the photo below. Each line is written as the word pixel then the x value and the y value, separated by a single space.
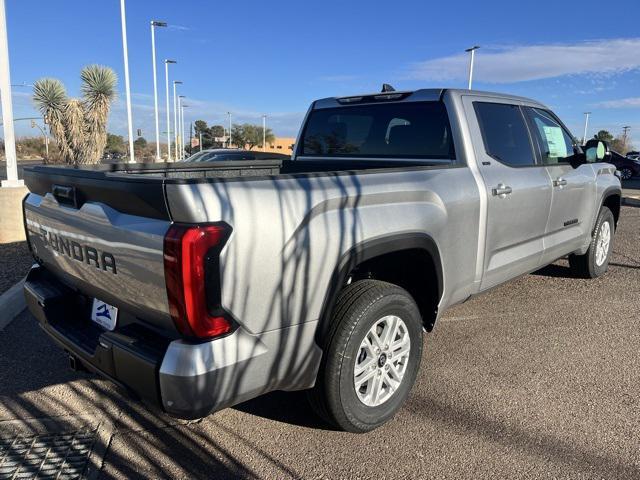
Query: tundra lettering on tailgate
pixel 76 251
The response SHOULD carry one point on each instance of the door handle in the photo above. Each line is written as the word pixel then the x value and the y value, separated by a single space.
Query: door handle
pixel 501 190
pixel 560 182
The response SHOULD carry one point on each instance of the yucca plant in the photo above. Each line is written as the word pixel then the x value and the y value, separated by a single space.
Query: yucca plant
pixel 50 97
pixel 98 92
pixel 78 125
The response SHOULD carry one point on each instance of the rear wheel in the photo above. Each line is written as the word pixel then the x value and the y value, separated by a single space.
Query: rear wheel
pixel 596 261
pixel 371 356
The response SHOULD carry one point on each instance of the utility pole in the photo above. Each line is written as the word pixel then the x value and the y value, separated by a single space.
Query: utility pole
pixel 586 124
pixel 264 132
pixel 123 21
pixel 229 139
pixel 200 133
pixel 154 24
pixel 625 132
pixel 471 50
pixel 7 106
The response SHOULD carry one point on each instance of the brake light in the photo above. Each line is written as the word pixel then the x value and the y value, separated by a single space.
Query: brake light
pixel 191 268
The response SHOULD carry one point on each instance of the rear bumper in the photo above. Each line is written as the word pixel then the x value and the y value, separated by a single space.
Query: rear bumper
pixel 130 356
pixel 185 379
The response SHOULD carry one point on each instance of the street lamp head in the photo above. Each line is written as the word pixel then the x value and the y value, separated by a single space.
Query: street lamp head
pixel 177 82
pixel 156 23
pixel 170 61
pixel 181 96
pixel 475 47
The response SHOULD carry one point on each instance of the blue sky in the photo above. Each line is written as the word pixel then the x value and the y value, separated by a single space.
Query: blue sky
pixel 276 57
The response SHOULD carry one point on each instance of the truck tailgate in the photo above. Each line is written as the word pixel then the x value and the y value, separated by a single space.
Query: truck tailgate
pixel 81 230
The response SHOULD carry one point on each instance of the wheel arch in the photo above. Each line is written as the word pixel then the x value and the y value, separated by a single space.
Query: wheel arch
pixel 612 199
pixel 390 251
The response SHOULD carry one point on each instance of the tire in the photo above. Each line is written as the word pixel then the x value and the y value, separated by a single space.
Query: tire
pixel 626 173
pixel 359 307
pixel 592 264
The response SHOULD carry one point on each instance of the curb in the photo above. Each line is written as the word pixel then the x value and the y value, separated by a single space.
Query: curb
pixel 11 304
pixel 630 202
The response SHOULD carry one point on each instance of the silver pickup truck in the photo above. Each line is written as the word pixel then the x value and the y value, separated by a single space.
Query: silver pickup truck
pixel 199 286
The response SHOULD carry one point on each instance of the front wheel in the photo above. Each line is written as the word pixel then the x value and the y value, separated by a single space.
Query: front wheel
pixel 596 261
pixel 626 173
pixel 371 356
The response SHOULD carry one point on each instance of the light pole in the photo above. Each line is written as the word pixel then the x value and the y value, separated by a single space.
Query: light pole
pixel 229 139
pixel 155 23
pixel 166 82
pixel 471 50
pixel 176 126
pixel 200 142
pixel 123 21
pixel 586 124
pixel 182 145
pixel 175 114
pixel 44 134
pixel 264 132
pixel 180 129
pixel 7 106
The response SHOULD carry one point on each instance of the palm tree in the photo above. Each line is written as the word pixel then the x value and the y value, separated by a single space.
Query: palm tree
pixel 78 125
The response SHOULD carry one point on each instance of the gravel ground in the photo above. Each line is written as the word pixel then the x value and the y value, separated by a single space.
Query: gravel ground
pixel 15 260
pixel 536 379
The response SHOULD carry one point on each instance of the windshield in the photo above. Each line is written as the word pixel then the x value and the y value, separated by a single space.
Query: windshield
pixel 391 130
pixel 195 157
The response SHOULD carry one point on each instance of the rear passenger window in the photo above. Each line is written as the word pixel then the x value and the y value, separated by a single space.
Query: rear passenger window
pixel 555 143
pixel 505 133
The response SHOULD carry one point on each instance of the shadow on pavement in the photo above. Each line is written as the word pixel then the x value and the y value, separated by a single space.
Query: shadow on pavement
pixel 556 271
pixel 36 383
pixel 286 407
pixel 624 265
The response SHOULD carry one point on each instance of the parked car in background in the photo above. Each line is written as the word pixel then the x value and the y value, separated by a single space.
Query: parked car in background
pixel 112 157
pixel 628 167
pixel 634 155
pixel 217 154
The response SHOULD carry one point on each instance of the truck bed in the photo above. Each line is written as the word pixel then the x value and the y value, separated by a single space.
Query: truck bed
pixel 138 188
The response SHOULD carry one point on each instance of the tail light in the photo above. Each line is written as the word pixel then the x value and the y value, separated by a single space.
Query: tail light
pixel 192 276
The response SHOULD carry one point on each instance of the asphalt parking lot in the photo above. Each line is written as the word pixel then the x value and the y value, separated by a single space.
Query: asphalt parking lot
pixel 539 378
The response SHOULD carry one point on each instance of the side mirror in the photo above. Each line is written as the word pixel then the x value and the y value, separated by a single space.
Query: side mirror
pixel 596 151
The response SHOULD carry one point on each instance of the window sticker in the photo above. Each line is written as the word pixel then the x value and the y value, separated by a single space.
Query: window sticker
pixel 555 141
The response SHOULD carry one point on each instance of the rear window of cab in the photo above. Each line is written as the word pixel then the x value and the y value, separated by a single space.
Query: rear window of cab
pixel 411 130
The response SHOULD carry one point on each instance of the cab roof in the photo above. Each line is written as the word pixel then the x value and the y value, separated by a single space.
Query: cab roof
pixel 421 95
